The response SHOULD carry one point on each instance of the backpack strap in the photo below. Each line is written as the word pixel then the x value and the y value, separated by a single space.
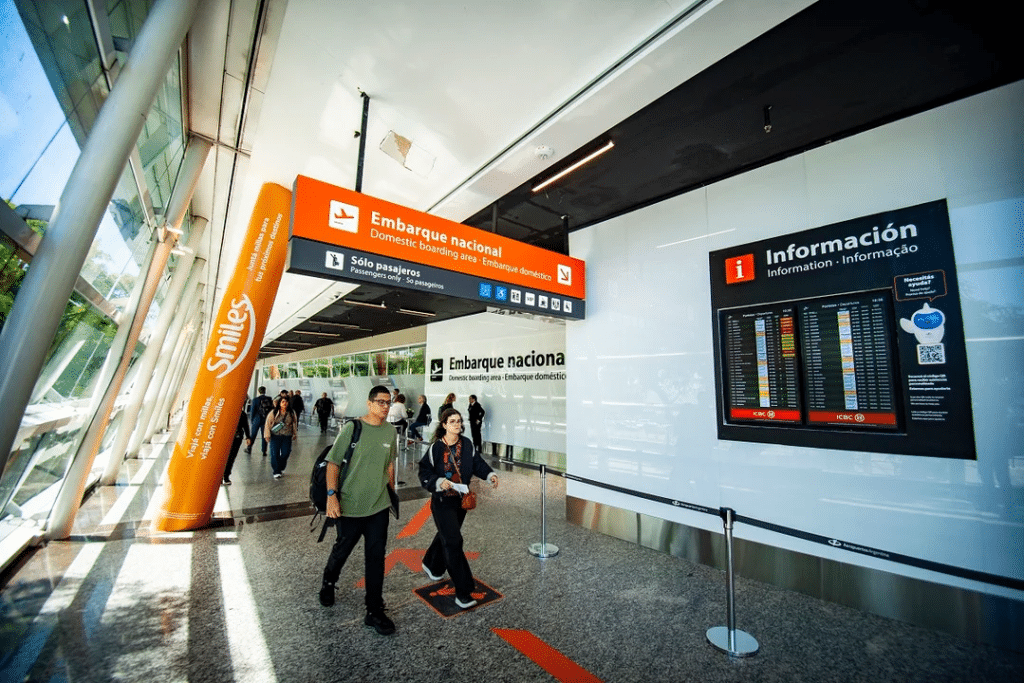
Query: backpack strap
pixel 357 428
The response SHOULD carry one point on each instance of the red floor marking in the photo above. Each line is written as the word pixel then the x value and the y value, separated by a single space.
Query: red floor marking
pixel 546 657
pixel 417 522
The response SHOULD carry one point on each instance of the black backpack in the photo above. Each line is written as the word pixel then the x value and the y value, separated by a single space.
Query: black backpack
pixel 264 404
pixel 318 481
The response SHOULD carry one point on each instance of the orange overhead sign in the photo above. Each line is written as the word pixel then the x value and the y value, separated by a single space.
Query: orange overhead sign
pixel 338 216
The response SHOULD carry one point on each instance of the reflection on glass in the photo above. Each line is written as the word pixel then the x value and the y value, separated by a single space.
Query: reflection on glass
pixel 51 90
pixel 417 364
pixel 398 361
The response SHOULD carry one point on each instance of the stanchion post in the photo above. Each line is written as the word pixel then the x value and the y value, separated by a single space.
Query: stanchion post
pixel 543 549
pixel 728 639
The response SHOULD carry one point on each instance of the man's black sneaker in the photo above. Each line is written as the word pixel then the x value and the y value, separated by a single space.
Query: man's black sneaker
pixel 380 622
pixel 327 594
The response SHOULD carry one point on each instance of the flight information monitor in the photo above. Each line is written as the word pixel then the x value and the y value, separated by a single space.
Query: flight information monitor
pixel 848 336
pixel 761 366
pixel 848 361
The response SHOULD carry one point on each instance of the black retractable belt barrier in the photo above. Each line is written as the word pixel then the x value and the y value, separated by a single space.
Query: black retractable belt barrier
pixel 728 638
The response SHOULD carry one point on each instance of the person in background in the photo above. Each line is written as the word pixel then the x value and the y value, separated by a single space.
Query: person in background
pixel 422 418
pixel 396 416
pixel 363 506
pixel 281 429
pixel 450 460
pixel 449 402
pixel 298 405
pixel 241 432
pixel 476 421
pixel 258 411
pixel 324 408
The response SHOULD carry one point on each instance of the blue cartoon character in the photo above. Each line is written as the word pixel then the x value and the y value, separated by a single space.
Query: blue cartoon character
pixel 927 324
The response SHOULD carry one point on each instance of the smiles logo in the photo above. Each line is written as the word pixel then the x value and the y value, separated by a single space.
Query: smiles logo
pixel 235 336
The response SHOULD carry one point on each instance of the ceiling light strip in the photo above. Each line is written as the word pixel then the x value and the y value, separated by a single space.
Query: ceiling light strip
pixel 566 171
pixel 327 324
pixel 672 25
pixel 364 303
pixel 409 311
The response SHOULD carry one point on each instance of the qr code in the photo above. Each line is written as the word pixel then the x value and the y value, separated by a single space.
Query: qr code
pixel 931 354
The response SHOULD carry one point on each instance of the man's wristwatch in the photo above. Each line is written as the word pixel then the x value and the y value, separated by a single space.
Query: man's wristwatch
pixel 331 492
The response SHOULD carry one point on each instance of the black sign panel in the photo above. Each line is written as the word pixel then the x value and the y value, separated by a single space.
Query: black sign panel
pixel 848 336
pixel 336 263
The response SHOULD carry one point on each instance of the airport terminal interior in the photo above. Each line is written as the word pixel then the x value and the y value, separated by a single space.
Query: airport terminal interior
pixel 618 226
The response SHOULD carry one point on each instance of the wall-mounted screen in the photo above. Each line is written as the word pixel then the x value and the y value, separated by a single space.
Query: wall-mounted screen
pixel 847 336
pixel 825 363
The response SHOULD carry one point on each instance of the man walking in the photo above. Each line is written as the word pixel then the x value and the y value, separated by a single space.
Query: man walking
pixel 476 422
pixel 361 509
pixel 258 411
pixel 298 405
pixel 324 408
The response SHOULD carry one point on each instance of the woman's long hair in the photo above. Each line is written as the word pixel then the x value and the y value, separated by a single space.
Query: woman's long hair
pixel 439 430
pixel 277 405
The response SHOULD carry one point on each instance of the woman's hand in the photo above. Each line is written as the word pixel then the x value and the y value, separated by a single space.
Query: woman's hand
pixel 494 481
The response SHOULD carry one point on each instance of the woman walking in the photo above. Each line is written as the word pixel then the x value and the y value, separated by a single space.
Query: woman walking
pixel 451 461
pixel 281 430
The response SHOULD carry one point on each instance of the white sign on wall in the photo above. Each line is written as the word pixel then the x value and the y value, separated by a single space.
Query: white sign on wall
pixel 514 365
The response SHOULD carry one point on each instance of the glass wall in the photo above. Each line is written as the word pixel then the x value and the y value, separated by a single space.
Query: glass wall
pixel 404 360
pixel 52 85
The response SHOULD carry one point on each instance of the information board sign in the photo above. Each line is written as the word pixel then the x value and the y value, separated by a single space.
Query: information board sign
pixel 848 336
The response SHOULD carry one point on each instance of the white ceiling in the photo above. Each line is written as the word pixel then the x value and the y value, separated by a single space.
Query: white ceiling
pixel 476 87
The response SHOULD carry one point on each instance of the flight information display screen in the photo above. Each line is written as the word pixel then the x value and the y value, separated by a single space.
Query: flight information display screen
pixel 761 364
pixel 818 362
pixel 848 356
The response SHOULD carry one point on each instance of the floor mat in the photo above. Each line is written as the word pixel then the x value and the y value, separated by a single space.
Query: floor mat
pixel 440 596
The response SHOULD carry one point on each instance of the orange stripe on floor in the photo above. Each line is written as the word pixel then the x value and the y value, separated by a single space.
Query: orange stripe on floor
pixel 546 657
pixel 417 522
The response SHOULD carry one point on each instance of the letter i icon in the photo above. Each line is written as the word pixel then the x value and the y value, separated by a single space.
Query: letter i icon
pixel 739 269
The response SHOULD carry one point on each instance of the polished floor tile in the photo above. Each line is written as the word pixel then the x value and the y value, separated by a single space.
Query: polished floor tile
pixel 238 601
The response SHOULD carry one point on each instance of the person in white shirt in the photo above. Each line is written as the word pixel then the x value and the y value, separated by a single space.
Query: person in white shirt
pixel 397 414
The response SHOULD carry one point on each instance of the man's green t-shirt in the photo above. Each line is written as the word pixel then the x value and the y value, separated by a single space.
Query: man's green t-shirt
pixel 364 491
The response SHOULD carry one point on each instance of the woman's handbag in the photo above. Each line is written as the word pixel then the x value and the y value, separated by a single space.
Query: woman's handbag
pixel 469 501
pixel 277 427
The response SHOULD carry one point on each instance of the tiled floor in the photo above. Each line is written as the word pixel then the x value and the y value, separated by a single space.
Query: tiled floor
pixel 238 602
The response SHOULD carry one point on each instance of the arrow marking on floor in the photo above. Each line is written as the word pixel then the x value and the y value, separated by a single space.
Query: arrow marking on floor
pixel 546 657
pixel 416 523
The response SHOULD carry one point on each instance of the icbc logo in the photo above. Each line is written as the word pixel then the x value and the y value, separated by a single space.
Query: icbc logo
pixel 739 269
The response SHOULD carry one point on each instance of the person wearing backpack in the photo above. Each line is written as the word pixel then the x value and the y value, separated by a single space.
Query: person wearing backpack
pixel 258 411
pixel 361 507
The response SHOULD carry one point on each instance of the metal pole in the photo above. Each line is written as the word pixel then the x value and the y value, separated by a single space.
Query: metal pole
pixel 728 639
pixel 51 278
pixel 543 549
pixel 362 142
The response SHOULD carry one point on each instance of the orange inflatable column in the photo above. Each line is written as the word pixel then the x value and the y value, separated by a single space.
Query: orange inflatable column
pixel 201 451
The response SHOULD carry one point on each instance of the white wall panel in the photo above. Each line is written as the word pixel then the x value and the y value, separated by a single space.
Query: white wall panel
pixel 528 413
pixel 641 375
